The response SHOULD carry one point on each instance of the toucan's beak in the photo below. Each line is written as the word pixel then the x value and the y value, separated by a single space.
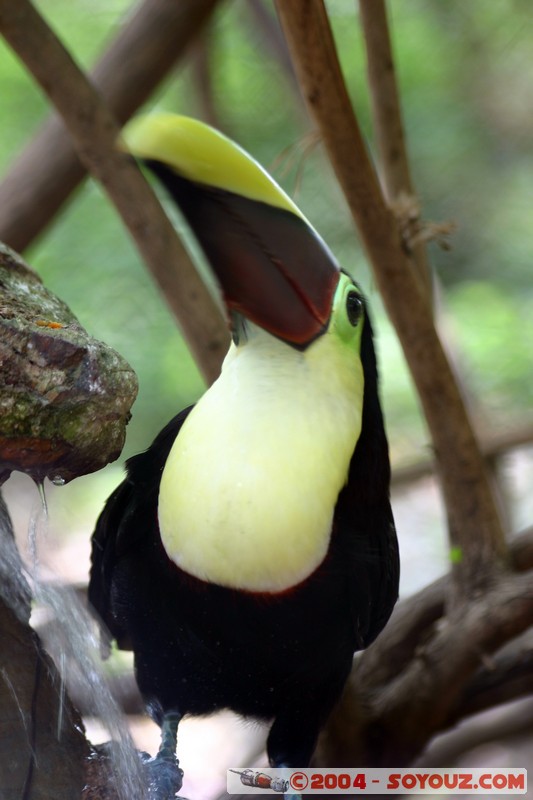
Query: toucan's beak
pixel 272 266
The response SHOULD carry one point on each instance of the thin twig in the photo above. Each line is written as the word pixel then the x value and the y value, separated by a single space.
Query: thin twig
pixel 94 133
pixel 388 125
pixel 154 38
pixel 385 100
pixel 476 530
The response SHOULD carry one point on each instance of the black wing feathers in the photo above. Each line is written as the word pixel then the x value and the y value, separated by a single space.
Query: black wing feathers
pixel 129 514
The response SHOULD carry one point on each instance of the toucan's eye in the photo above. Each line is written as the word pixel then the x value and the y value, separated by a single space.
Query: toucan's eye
pixel 354 308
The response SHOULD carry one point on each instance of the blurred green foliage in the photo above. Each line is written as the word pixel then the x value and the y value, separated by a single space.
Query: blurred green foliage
pixel 466 75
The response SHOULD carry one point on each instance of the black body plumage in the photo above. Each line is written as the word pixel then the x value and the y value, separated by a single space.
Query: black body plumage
pixel 200 647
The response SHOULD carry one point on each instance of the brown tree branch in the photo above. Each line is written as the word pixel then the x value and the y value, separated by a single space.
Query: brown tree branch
pixel 476 530
pixel 503 677
pixel 48 170
pixel 397 182
pixel 390 723
pixel 94 134
pixel 426 671
pixel 509 722
pixel 414 619
pixel 386 111
pixel 385 100
pixel 521 551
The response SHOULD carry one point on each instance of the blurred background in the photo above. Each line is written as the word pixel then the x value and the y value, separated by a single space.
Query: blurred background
pixel 466 80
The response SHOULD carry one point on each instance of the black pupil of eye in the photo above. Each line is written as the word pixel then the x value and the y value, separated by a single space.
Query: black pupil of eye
pixel 354 307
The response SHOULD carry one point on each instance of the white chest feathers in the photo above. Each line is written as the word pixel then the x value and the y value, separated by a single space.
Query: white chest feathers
pixel 249 489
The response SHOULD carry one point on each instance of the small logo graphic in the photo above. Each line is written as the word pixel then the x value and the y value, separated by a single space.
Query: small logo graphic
pixel 260 780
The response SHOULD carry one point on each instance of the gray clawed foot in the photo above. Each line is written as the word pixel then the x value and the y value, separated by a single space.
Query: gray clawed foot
pixel 164 777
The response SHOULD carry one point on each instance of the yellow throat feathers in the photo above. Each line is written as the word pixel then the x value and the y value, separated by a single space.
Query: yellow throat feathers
pixel 249 489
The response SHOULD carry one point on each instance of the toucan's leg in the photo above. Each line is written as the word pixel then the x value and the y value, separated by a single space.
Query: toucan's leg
pixel 169 736
pixel 165 777
pixel 293 737
pixel 290 795
pixel 291 742
pixel 294 733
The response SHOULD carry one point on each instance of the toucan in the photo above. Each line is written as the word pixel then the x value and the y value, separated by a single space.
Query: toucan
pixel 251 549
